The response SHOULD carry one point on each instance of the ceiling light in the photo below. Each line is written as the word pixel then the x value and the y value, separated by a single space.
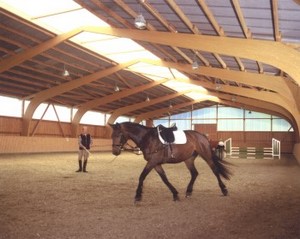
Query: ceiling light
pixel 116 88
pixel 140 22
pixel 218 87
pixel 147 99
pixel 65 72
pixel 195 64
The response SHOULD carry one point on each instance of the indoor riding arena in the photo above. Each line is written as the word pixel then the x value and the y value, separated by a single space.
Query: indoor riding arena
pixel 150 119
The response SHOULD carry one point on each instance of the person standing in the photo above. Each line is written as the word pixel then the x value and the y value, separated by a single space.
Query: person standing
pixel 85 142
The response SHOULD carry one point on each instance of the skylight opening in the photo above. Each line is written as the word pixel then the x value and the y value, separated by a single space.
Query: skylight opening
pixel 65 15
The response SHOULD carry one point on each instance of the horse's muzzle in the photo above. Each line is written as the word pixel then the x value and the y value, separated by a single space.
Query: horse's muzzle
pixel 116 150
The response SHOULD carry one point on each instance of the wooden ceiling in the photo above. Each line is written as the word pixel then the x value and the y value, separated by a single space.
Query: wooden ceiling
pixel 248 52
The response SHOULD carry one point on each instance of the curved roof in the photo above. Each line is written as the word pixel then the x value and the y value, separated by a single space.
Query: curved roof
pixel 248 55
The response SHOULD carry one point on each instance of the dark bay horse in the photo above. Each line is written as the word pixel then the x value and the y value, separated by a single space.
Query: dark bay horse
pixel 156 154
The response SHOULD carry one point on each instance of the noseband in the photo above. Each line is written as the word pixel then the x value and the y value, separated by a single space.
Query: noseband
pixel 122 142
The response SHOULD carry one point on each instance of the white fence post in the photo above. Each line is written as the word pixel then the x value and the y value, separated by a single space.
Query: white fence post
pixel 228 146
pixel 275 148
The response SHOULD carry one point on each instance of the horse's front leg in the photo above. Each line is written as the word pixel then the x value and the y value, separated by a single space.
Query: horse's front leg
pixel 164 178
pixel 139 190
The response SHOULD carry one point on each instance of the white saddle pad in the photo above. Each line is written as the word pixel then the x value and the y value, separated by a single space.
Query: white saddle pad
pixel 180 137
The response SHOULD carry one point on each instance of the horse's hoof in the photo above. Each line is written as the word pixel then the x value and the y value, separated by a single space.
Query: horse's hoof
pixel 176 198
pixel 137 200
pixel 225 192
pixel 188 194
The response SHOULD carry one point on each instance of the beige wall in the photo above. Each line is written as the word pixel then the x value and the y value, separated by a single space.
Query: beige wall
pixel 296 152
pixel 23 144
pixel 49 136
pixel 13 126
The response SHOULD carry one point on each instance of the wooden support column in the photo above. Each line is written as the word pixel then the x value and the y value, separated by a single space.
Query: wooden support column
pixel 42 96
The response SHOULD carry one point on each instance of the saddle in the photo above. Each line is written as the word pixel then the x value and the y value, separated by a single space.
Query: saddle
pixel 167 134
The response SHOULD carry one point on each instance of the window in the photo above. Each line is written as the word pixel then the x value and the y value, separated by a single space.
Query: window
pixel 229 118
pixel 257 125
pixel 186 115
pixel 205 121
pixel 230 125
pixel 281 125
pixel 10 107
pixel 93 118
pixel 210 112
pixel 182 124
pixel 121 119
pixel 257 115
pixel 229 112
pixel 164 122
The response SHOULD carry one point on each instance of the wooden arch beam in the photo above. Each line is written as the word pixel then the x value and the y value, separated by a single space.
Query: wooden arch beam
pixel 276 54
pixel 245 92
pixel 133 107
pixel 107 99
pixel 57 90
pixel 270 82
pixel 38 49
pixel 160 112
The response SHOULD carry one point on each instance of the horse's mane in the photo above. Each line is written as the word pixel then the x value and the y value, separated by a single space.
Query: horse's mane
pixel 133 124
pixel 134 127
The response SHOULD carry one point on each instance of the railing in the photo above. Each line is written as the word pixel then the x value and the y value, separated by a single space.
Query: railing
pixel 253 152
pixel 228 146
pixel 276 148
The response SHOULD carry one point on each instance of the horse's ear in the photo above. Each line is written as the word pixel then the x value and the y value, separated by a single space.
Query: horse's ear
pixel 114 125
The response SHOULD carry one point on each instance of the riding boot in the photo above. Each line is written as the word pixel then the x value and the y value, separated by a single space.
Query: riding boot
pixel 80 166
pixel 84 166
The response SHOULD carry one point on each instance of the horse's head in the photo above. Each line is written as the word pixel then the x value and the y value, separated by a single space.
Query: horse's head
pixel 118 138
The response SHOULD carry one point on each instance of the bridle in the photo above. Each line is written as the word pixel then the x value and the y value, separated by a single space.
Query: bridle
pixel 122 142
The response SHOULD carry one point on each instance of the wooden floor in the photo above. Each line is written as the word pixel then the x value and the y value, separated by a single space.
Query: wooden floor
pixel 41 196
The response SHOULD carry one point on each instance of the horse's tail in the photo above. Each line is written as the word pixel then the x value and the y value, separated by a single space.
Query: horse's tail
pixel 222 167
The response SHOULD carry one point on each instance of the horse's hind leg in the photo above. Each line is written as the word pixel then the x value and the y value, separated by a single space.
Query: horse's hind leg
pixel 194 173
pixel 221 185
pixel 218 169
pixel 164 178
pixel 215 170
